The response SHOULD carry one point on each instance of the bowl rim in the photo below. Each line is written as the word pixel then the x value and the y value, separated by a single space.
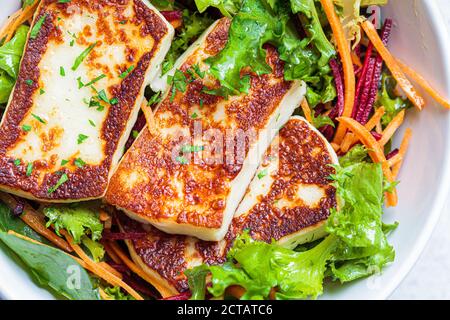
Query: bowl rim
pixel 441 31
pixel 403 268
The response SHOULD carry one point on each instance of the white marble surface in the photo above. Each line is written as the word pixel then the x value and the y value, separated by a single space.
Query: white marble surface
pixel 430 277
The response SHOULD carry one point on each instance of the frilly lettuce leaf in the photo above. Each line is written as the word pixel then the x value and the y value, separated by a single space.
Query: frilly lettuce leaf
pixel 11 52
pixel 228 8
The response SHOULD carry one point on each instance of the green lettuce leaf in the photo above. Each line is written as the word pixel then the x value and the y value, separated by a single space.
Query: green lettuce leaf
pixel 77 220
pixel 95 248
pixel 355 155
pixel 392 103
pixel 6 86
pixel 53 268
pixel 197 280
pixel 11 52
pixel 314 29
pixel 115 293
pixel 228 8
pixel 8 222
pixel 193 25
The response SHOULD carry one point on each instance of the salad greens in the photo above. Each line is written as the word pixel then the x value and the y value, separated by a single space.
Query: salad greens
pixel 51 267
pixel 115 293
pixel 392 103
pixel 228 8
pixel 355 247
pixel 10 55
pixel 82 223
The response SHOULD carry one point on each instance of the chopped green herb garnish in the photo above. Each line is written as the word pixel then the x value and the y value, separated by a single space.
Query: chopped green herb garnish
pixel 194 115
pixel 29 82
pixel 64 1
pixel 64 178
pixel 72 42
pixel 114 101
pixel 80 83
pixel 92 123
pixel 62 72
pixel 262 174
pixel 154 99
pixel 64 162
pixel 17 162
pixel 95 80
pixel 201 103
pixel 135 133
pixel 123 21
pixel 181 160
pixel 178 82
pixel 79 163
pixel 81 138
pixel 82 56
pixel 102 95
pixel 197 70
pixel 29 169
pixel 26 128
pixel 126 72
pixel 38 118
pixel 41 91
pixel 37 27
pixel 189 148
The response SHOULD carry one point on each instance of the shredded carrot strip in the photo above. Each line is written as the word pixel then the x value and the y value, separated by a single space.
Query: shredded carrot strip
pixel 138 270
pixel 148 113
pixel 20 17
pixel 80 262
pixel 306 110
pixel 114 257
pixel 356 60
pixel 394 160
pixel 379 128
pixel 36 221
pixel 391 128
pixel 424 84
pixel 350 138
pixel 375 152
pixel 99 270
pixel 393 66
pixel 104 215
pixel 110 269
pixel 402 151
pixel 347 65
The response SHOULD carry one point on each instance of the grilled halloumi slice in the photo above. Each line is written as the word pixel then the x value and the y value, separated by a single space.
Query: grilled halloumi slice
pixel 288 200
pixel 78 93
pixel 188 173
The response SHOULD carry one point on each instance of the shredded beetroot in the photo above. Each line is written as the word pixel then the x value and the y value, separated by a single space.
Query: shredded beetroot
pixel 328 131
pixel 361 80
pixel 182 296
pixel 139 124
pixel 108 235
pixel 367 84
pixel 172 15
pixel 376 135
pixel 20 206
pixel 119 267
pixel 391 154
pixel 376 77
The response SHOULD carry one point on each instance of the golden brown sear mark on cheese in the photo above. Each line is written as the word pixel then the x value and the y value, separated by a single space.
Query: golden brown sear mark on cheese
pixel 303 159
pixel 160 251
pixel 205 183
pixel 91 180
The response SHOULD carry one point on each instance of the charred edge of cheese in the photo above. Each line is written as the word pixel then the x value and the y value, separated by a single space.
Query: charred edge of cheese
pixel 280 111
pixel 160 83
pixel 103 170
pixel 215 252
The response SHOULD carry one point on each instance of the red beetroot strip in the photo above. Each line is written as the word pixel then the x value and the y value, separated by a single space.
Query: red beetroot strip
pixel 376 135
pixel 370 79
pixel 172 15
pixel 392 154
pixel 328 131
pixel 108 235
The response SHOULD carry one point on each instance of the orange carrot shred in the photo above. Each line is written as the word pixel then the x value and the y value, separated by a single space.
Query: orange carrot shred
pixel 391 128
pixel 393 66
pixel 375 152
pixel 424 84
pixel 350 138
pixel 347 65
pixel 402 151
pixel 394 160
pixel 306 110
pixel 99 270
pixel 138 270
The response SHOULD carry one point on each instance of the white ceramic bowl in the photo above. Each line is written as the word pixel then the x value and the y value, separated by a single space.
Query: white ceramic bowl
pixel 420 39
